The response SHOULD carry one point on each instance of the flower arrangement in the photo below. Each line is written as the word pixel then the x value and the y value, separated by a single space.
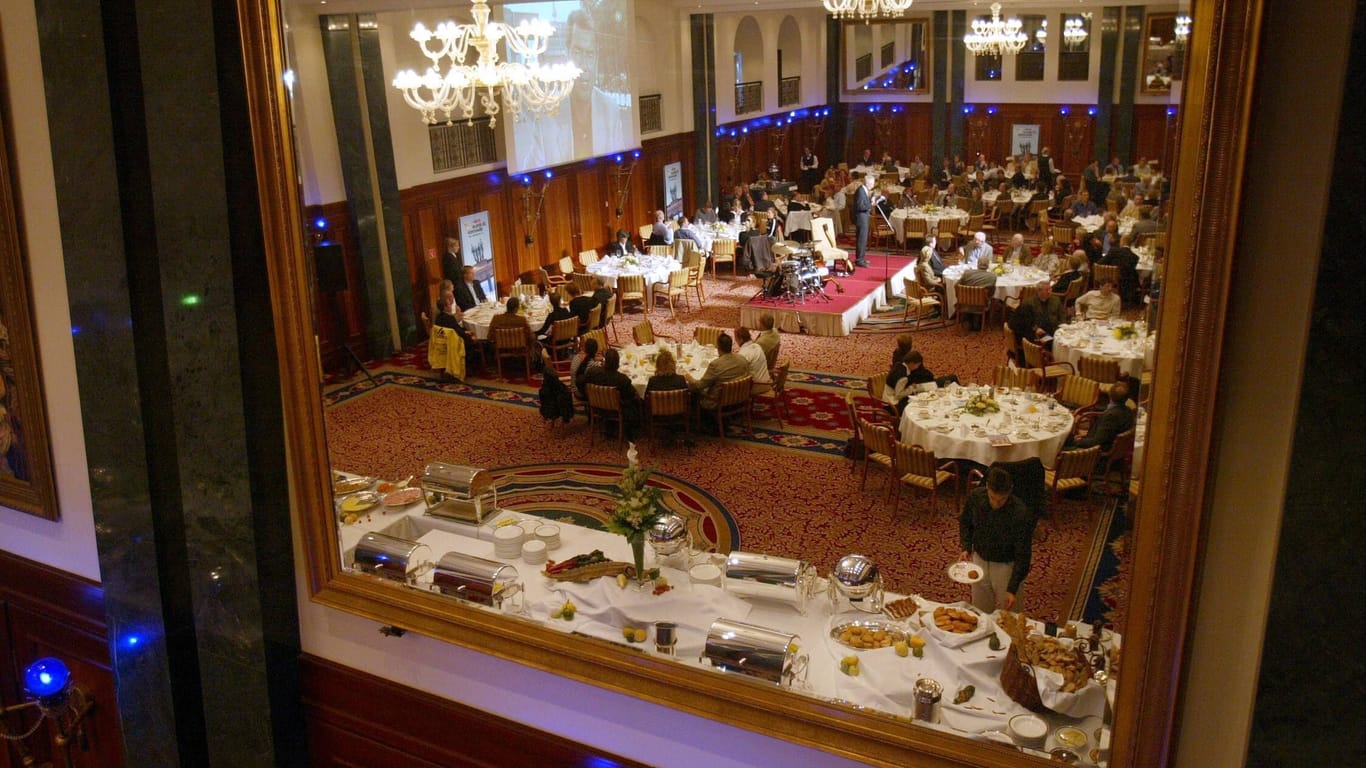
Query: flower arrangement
pixel 981 405
pixel 931 209
pixel 631 260
pixel 1001 269
pixel 637 508
pixel 1125 331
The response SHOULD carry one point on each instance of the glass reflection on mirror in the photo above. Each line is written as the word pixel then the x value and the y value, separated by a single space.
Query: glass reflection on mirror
pixel 886 56
pixel 1164 50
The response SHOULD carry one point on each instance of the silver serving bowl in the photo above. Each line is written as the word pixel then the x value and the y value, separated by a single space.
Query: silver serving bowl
pixel 856 576
pixel 669 535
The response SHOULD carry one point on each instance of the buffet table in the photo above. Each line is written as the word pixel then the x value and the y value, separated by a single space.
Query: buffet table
pixel 1028 425
pixel 478 317
pixel 931 215
pixel 1008 285
pixel 1097 339
pixel 885 680
pixel 655 269
pixel 638 361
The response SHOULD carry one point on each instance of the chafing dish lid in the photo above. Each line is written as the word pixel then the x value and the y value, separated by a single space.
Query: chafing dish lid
pixel 455 478
pixel 670 528
pixel 855 571
pixel 476 568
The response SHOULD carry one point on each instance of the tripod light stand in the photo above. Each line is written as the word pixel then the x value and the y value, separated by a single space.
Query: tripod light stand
pixel 47 682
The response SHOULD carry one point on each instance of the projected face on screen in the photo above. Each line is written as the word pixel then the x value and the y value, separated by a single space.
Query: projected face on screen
pixel 598 118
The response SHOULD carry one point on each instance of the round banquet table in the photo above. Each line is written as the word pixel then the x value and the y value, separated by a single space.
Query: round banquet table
pixel 1097 339
pixel 718 231
pixel 1091 224
pixel 931 217
pixel 1019 196
pixel 936 421
pixel 1008 285
pixel 638 361
pixel 655 269
pixel 477 318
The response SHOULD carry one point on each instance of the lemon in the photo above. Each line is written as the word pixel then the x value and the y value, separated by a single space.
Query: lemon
pixel 901 648
pixel 917 641
pixel 629 633
pixel 640 635
pixel 557 613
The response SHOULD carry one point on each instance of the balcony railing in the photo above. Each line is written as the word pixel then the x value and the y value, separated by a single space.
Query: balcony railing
pixel 749 97
pixel 789 91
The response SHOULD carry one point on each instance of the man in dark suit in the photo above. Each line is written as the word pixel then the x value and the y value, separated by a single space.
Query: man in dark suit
pixel 609 375
pixel 600 298
pixel 557 313
pixel 862 209
pixel 1046 169
pixel 1037 317
pixel 1115 420
pixel 623 246
pixel 580 305
pixel 468 293
pixel 1122 256
pixel 451 261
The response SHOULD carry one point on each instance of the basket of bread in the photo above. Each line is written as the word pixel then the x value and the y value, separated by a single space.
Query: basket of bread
pixel 956 624
pixel 1043 673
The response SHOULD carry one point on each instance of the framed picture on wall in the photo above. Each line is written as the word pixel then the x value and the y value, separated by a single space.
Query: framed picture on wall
pixel 26 482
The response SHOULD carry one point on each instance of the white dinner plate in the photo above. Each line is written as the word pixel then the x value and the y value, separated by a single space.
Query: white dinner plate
pixel 961 570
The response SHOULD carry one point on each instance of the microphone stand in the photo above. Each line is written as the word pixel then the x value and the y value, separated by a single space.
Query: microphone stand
pixel 886 257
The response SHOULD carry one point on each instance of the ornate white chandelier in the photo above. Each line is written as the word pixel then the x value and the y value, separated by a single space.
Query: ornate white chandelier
pixel 997 37
pixel 1183 27
pixel 1074 31
pixel 527 86
pixel 866 9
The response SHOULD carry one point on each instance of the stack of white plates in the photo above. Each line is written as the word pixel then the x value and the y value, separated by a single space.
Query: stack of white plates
pixel 507 542
pixel 550 535
pixel 706 573
pixel 533 551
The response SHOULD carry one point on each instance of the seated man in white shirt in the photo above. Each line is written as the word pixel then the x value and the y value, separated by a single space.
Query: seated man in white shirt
pixel 661 233
pixel 1102 304
pixel 980 255
pixel 758 362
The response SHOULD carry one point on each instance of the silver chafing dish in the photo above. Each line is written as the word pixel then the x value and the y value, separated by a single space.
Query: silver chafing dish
pixel 855 579
pixel 669 536
pixel 476 579
pixel 750 574
pixel 391 557
pixel 460 493
pixel 756 651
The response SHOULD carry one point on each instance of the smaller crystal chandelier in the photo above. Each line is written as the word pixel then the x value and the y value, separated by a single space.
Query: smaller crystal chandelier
pixel 1074 31
pixel 997 37
pixel 866 9
pixel 527 86
pixel 1041 34
pixel 1183 28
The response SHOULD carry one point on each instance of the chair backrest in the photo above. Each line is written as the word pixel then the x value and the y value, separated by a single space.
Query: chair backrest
pixel 1005 206
pixel 1080 391
pixel 564 330
pixel 972 297
pixel 851 411
pixel 595 317
pixel 707 335
pixel 599 335
pixel 524 291
pixel 1103 272
pixel 823 232
pixel 916 227
pixel 669 402
pixel 645 230
pixel 631 286
pixel 780 373
pixel 661 250
pixel 1074 290
pixel 678 281
pixel 975 222
pixel 1019 378
pixel 510 338
pixel 1101 369
pixel 733 392
pixel 1122 447
pixel 608 310
pixel 643 333
pixel 427 323
pixel 603 398
pixel 1062 234
pixel 876 384
pixel 1033 353
pixel 948 226
pixel 915 460
pixel 566 265
pixel 585 282
pixel 876 438
pixel 589 256
pixel 723 249
pixel 1078 462
pixel 1037 207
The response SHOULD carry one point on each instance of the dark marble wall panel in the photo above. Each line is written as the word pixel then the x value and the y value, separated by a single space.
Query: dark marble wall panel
pixel 939 112
pixel 1128 83
pixel 959 27
pixel 1105 90
pixel 90 130
pixel 705 160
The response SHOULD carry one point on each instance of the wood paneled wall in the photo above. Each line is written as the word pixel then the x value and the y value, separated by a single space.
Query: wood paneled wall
pixel 46 612
pixel 357 719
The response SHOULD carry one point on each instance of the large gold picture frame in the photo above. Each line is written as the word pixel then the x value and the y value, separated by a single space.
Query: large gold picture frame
pixel 26 481
pixel 1167 534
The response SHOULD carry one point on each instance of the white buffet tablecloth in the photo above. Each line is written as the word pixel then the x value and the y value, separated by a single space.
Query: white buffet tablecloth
pixel 638 362
pixel 1035 426
pixel 1097 339
pixel 603 609
pixel 1008 285
pixel 477 318
pixel 931 217
pixel 655 269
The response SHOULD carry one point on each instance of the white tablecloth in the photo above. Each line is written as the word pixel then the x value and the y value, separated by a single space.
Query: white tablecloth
pixel 1008 285
pixel 1020 196
pixel 477 319
pixel 1097 339
pixel 718 231
pixel 638 362
pixel 1097 223
pixel 655 269
pixel 1140 438
pixel 931 218
pixel 1035 425
pixel 859 171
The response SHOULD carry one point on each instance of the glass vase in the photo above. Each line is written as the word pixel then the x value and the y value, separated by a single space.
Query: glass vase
pixel 638 558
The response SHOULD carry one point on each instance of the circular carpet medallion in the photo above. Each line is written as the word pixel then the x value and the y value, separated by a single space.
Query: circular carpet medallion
pixel 584 494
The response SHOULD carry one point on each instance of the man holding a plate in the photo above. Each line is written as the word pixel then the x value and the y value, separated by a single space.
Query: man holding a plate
pixel 995 530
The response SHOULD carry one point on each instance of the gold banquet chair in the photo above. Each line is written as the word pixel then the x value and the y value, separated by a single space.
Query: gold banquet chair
pixel 631 288
pixel 920 302
pixel 604 403
pixel 1038 358
pixel 1072 470
pixel 707 335
pixel 778 392
pixel 512 343
pixel 733 399
pixel 878 446
pixel 1100 369
pixel 524 291
pixel 589 256
pixel 670 406
pixel 643 333
pixel 1078 394
pixel 722 252
pixel 1017 378
pixel 917 467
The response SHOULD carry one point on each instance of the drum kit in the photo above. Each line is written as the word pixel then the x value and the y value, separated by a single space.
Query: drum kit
pixel 796 278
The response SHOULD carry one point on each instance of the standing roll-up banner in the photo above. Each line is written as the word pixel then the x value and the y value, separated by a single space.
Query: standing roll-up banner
pixel 477 248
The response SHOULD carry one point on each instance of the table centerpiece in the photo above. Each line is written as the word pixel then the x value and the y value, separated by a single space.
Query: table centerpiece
pixel 637 510
pixel 981 405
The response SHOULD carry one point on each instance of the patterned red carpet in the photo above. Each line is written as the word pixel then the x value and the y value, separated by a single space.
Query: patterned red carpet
pixel 788 489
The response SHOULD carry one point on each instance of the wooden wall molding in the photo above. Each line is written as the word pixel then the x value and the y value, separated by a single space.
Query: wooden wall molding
pixel 355 718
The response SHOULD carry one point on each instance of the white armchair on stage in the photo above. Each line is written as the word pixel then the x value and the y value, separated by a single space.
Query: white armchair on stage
pixel 823 240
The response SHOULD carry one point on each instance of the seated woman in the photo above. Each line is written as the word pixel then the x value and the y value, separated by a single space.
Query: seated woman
pixel 1047 260
pixel 1073 272
pixel 666 376
pixel 582 364
pixel 924 272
